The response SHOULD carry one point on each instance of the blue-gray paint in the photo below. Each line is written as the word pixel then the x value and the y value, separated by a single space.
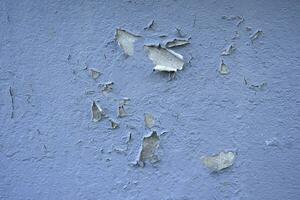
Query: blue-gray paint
pixel 52 150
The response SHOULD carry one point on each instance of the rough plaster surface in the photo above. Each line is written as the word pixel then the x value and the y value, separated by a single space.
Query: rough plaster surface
pixel 52 150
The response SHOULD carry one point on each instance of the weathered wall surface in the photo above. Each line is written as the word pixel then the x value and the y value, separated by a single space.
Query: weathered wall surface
pixel 51 149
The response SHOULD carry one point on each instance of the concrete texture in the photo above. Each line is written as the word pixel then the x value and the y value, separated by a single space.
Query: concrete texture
pixel 51 149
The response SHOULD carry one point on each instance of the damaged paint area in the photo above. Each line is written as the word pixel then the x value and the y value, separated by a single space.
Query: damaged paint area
pixel 126 41
pixel 149 120
pixel 177 42
pixel 228 50
pixel 121 111
pixel 256 87
pixel 148 150
pixel 223 70
pixel 95 74
pixel 97 112
pixel 165 59
pixel 113 124
pixel 107 87
pixel 219 162
pixel 256 35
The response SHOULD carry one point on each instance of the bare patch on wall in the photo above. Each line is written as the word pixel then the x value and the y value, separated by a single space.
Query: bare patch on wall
pixel 95 74
pixel 220 161
pixel 223 70
pixel 165 59
pixel 126 41
pixel 177 42
pixel 228 50
pixel 97 112
pixel 149 120
pixel 148 150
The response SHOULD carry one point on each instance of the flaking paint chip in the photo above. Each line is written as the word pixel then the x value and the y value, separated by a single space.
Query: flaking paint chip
pixel 95 74
pixel 126 41
pixel 148 150
pixel 256 35
pixel 107 87
pixel 97 112
pixel 223 70
pixel 228 50
pixel 121 111
pixel 165 59
pixel 149 120
pixel 149 25
pixel 220 161
pixel 114 124
pixel 177 42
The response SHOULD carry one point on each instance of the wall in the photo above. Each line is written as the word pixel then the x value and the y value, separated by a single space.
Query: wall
pixel 51 149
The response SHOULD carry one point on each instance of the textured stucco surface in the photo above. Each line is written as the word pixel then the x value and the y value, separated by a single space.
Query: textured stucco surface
pixel 52 150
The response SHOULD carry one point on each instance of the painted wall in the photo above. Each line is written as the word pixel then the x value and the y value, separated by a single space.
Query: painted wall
pixel 50 148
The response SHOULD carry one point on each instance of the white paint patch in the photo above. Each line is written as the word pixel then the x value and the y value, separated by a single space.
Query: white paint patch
pixel 218 162
pixel 126 41
pixel 165 59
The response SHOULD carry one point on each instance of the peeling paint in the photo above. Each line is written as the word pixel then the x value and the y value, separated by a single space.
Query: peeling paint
pixel 255 87
pixel 223 70
pixel 121 111
pixel 107 87
pixel 229 50
pixel 165 59
pixel 148 150
pixel 177 42
pixel 97 112
pixel 126 41
pixel 149 25
pixel 256 35
pixel 219 162
pixel 149 120
pixel 113 124
pixel 95 74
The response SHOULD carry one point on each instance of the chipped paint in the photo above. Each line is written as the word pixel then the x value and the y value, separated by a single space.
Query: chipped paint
pixel 256 35
pixel 97 112
pixel 95 74
pixel 149 120
pixel 148 149
pixel 121 111
pixel 177 42
pixel 126 41
pixel 219 162
pixel 228 50
pixel 223 70
pixel 165 59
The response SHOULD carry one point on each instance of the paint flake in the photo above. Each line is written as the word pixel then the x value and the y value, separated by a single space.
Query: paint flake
pixel 126 41
pixel 97 112
pixel 229 50
pixel 149 25
pixel 165 59
pixel 95 74
pixel 114 124
pixel 224 70
pixel 256 88
pixel 177 42
pixel 148 150
pixel 256 35
pixel 107 87
pixel 121 111
pixel 149 120
pixel 218 162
